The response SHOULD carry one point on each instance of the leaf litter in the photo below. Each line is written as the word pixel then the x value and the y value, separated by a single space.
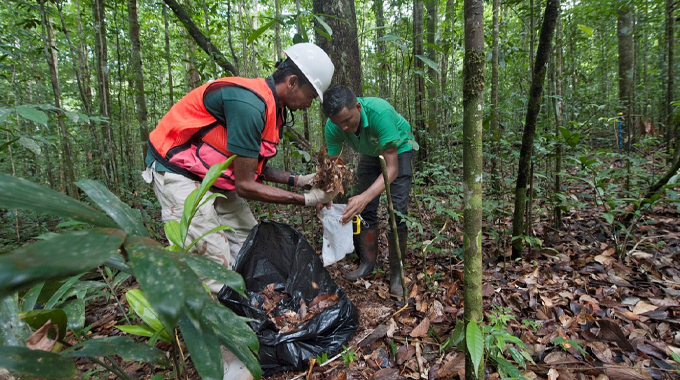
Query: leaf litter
pixel 617 316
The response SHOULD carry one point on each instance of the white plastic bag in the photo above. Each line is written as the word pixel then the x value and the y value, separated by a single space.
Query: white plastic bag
pixel 337 238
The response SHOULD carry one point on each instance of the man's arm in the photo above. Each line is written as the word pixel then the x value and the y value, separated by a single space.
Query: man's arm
pixel 248 188
pixel 357 203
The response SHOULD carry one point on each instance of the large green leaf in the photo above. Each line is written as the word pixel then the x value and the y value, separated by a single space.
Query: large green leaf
pixel 61 292
pixel 429 62
pixel 173 232
pixel 234 333
pixel 505 367
pixel 145 331
pixel 33 114
pixel 117 261
pixel 123 346
pixel 475 344
pixel 14 331
pixel 192 202
pixel 323 23
pixel 31 297
pixel 257 33
pixel 37 318
pixel 37 363
pixel 75 313
pixel 29 144
pixel 210 269
pixel 120 212
pixel 141 306
pixel 61 256
pixel 204 349
pixel 196 294
pixel 159 276
pixel 17 193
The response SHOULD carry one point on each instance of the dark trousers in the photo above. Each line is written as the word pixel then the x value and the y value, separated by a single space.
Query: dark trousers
pixel 368 170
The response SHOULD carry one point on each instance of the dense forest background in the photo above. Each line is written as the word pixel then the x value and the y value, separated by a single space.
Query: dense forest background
pixel 84 82
pixel 578 113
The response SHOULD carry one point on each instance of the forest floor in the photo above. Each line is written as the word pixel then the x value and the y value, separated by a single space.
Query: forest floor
pixel 583 310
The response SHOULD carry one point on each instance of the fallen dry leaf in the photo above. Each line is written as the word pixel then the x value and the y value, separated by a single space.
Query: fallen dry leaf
pixel 422 329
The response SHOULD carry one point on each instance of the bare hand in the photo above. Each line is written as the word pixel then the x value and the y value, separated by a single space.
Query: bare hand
pixel 355 206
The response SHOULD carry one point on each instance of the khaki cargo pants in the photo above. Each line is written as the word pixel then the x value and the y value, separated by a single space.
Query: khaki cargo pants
pixel 223 246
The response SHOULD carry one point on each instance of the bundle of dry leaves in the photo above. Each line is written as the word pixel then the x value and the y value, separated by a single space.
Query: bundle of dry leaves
pixel 330 174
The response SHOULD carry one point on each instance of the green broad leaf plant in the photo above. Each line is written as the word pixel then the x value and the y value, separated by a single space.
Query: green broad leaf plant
pixel 491 343
pixel 45 286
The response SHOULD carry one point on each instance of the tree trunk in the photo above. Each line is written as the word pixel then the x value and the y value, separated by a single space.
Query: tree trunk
pixel 534 106
pixel 138 74
pixel 383 65
pixel 670 96
pixel 495 123
pixel 473 99
pixel 624 28
pixel 434 129
pixel 344 49
pixel 64 136
pixel 168 57
pixel 103 92
pixel 419 82
pixel 559 120
pixel 447 42
pixel 277 30
pixel 86 100
pixel 205 44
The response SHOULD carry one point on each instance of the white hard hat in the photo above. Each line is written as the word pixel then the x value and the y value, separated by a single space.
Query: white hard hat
pixel 314 63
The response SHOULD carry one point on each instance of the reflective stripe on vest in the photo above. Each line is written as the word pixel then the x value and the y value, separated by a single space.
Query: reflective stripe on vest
pixel 189 140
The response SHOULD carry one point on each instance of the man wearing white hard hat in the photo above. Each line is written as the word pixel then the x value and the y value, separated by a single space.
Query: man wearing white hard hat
pixel 242 117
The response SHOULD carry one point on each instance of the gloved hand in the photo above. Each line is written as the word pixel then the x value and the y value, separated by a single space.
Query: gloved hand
pixel 305 180
pixel 317 196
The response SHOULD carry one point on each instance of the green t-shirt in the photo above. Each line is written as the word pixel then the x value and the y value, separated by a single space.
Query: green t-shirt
pixel 381 128
pixel 242 111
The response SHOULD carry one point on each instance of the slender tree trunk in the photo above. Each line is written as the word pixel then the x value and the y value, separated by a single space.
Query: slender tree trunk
pixel 86 100
pixel 64 136
pixel 495 122
pixel 245 53
pixel 447 42
pixel 418 80
pixel 206 19
pixel 168 57
pixel 101 52
pixel 434 129
pixel 231 42
pixel 305 113
pixel 532 27
pixel 473 99
pixel 624 27
pixel 559 121
pixel 534 106
pixel 277 30
pixel 205 44
pixel 670 77
pixel 138 74
pixel 383 65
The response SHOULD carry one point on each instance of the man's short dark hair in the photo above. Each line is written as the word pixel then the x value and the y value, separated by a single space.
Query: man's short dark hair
pixel 337 98
pixel 286 68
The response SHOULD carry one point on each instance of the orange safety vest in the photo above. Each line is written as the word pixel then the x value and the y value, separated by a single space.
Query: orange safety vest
pixel 189 140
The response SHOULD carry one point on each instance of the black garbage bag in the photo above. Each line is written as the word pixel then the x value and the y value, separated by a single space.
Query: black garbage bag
pixel 277 253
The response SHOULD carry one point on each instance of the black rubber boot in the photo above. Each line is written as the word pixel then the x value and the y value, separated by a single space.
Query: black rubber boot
pixel 395 269
pixel 366 246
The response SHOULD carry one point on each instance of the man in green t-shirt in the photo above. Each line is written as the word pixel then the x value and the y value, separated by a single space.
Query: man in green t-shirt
pixel 372 127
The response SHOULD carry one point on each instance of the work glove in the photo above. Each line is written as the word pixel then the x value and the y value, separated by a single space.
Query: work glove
pixel 317 196
pixel 305 181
